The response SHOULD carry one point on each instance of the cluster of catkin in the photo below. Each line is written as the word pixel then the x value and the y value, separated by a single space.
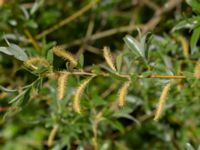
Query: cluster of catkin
pixel 63 77
pixel 35 61
pixel 124 89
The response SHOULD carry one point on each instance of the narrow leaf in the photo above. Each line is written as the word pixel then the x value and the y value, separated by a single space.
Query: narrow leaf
pixel 195 4
pixel 17 52
pixel 6 90
pixel 5 50
pixel 187 24
pixel 194 39
pixel 134 45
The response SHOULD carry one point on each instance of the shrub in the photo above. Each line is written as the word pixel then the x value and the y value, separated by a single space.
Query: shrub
pixel 132 86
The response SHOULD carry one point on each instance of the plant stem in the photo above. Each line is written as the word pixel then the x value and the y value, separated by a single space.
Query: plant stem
pixel 129 76
pixel 32 40
pixel 168 76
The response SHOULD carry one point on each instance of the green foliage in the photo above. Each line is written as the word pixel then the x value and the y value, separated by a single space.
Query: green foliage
pixel 144 57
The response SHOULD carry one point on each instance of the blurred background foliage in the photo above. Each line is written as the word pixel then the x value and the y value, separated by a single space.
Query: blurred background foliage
pixel 37 120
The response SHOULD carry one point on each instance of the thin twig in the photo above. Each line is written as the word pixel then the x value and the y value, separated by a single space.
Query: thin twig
pixel 146 27
pixel 88 34
pixel 67 20
pixel 32 40
pixel 127 76
pixel 104 34
pixel 167 76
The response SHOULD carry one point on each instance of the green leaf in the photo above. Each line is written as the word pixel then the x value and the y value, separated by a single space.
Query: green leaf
pixel 134 45
pixel 26 97
pixel 194 39
pixel 38 84
pixel 189 146
pixel 116 124
pixel 5 50
pixel 146 41
pixel 98 101
pixel 18 97
pixel 50 56
pixel 119 60
pixel 195 4
pixel 6 90
pixel 187 23
pixel 36 6
pixel 125 113
pixel 31 24
pixel 17 52
pixel 81 60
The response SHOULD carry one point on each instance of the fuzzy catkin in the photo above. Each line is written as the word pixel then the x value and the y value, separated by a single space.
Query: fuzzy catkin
pixel 185 46
pixel 122 94
pixel 62 79
pixel 59 51
pixel 52 135
pixel 162 100
pixel 35 61
pixel 197 71
pixel 77 96
pixel 108 57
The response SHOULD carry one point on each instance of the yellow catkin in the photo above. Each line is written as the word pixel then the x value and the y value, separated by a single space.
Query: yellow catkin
pixel 185 46
pixel 78 94
pixel 36 61
pixel 162 100
pixel 108 57
pixel 197 71
pixel 59 51
pixel 62 79
pixel 52 135
pixel 122 94
pixel 1 2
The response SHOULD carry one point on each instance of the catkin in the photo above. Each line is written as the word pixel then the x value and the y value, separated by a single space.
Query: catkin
pixel 52 135
pixel 59 51
pixel 185 46
pixel 108 57
pixel 162 100
pixel 78 94
pixel 62 79
pixel 197 71
pixel 122 94
pixel 1 2
pixel 35 61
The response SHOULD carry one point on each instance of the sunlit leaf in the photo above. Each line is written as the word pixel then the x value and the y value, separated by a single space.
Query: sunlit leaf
pixel 17 52
pixel 187 23
pixel 194 39
pixel 195 4
pixel 5 50
pixel 134 45
pixel 189 146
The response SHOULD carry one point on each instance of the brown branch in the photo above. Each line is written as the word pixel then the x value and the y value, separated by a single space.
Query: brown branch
pixel 67 20
pixel 167 77
pixel 127 76
pixel 104 34
pixel 145 27
pixel 32 40
pixel 88 34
